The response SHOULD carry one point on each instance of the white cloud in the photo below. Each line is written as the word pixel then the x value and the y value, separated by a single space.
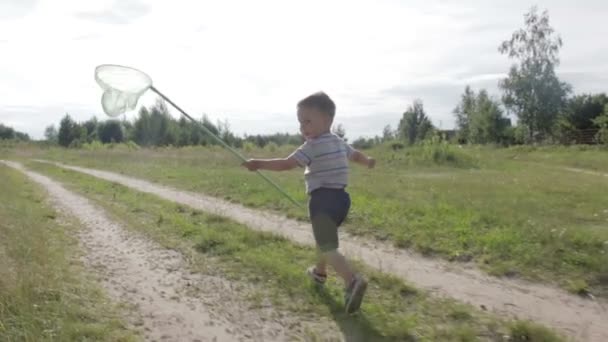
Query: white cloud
pixel 250 62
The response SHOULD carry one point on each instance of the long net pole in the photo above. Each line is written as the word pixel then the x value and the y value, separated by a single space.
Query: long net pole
pixel 228 147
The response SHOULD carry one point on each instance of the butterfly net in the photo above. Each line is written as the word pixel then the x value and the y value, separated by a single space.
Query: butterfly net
pixel 122 87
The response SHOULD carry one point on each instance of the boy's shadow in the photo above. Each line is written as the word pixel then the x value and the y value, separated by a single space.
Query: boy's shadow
pixel 355 327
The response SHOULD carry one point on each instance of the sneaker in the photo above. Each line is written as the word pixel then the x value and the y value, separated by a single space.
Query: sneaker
pixel 354 294
pixel 316 277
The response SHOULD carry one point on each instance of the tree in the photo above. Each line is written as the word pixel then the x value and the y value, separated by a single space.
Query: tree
pixel 110 131
pixel 155 126
pixel 184 138
pixel 50 133
pixel 581 110
pixel 532 90
pixel 6 132
pixel 486 121
pixel 602 123
pixel 579 113
pixel 463 113
pixel 480 119
pixel 92 129
pixel 415 125
pixel 128 129
pixel 142 134
pixel 387 133
pixel 65 129
pixel 22 136
pixel 70 132
pixel 226 134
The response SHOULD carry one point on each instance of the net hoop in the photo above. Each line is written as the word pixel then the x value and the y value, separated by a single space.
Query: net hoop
pixel 122 87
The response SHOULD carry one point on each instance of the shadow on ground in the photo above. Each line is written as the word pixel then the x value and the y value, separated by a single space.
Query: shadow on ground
pixel 355 327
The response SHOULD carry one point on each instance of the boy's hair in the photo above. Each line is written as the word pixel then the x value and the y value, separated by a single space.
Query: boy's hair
pixel 320 101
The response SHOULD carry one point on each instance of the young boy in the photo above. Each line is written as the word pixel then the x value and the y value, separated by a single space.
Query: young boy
pixel 325 157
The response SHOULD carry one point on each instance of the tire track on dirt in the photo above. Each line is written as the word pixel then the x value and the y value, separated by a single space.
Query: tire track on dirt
pixel 576 317
pixel 167 301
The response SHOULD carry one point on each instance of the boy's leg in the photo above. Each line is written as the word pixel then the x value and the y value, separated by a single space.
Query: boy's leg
pixel 327 210
pixel 339 263
pixel 318 272
pixel 355 285
pixel 327 240
pixel 321 266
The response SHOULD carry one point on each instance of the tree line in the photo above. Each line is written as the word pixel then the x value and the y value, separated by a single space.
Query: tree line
pixel 8 133
pixel 154 126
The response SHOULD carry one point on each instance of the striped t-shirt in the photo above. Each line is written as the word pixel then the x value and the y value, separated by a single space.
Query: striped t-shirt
pixel 326 161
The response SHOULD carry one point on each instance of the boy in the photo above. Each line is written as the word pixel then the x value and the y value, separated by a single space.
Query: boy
pixel 325 157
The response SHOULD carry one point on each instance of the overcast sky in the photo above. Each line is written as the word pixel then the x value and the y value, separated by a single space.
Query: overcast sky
pixel 250 61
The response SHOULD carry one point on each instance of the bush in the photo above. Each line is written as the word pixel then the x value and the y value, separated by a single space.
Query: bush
pixel 438 151
pixel 363 143
pixel 272 146
pixel 602 122
pixel 435 151
pixel 131 145
pixel 76 143
pixel 397 146
pixel 521 135
pixel 248 146
pixel 93 145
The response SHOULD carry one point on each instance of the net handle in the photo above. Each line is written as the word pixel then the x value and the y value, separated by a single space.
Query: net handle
pixel 228 147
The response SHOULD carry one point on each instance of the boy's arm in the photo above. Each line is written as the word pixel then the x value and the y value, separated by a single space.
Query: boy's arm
pixel 360 158
pixel 300 157
pixel 280 164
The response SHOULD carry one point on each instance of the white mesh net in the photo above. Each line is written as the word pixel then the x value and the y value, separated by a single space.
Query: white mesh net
pixel 122 87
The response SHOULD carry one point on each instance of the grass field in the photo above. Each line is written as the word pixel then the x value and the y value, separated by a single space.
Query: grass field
pixel 219 246
pixel 515 212
pixel 45 292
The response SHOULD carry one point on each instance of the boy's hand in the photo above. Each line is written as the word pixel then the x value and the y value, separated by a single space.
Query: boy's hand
pixel 362 159
pixel 251 165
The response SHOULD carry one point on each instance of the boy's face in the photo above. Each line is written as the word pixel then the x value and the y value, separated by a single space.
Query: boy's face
pixel 313 122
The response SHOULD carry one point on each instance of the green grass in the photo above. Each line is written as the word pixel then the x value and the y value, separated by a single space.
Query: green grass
pixel 217 245
pixel 592 158
pixel 45 294
pixel 514 211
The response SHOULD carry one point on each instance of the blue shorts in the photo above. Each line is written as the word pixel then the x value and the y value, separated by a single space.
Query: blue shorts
pixel 327 209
